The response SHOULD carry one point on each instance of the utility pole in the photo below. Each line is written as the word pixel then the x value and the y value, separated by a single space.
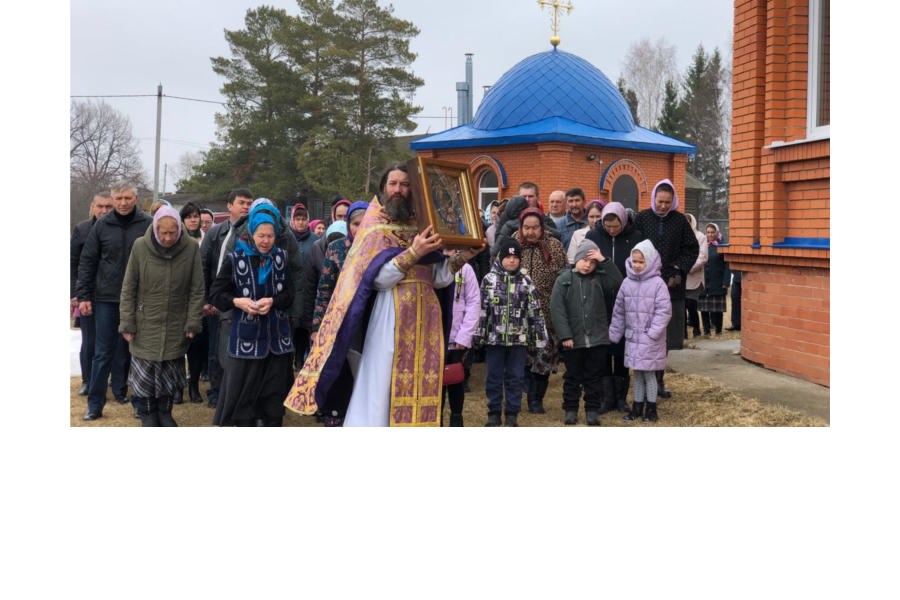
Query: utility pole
pixel 158 128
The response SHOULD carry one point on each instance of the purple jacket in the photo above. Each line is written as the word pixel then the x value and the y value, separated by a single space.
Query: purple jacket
pixel 641 313
pixel 466 307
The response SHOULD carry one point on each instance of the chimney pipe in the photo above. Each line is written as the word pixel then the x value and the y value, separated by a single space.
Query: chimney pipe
pixel 470 88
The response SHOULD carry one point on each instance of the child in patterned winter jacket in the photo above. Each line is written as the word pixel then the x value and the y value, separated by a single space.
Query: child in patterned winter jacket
pixel 510 324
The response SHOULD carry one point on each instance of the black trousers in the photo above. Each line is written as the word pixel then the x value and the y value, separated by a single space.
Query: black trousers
pixel 198 353
pixel 584 369
pixel 456 393
pixel 736 303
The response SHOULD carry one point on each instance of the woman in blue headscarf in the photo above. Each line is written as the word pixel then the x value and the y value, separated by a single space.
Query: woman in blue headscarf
pixel 255 281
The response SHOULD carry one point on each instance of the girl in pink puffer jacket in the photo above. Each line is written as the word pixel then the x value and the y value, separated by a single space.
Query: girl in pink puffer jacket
pixel 641 313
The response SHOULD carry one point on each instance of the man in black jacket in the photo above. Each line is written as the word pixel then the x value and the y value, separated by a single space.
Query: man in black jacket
pixel 674 239
pixel 101 269
pixel 211 253
pixel 101 205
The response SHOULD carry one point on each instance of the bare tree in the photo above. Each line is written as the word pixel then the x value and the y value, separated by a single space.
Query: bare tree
pixel 102 149
pixel 184 168
pixel 646 69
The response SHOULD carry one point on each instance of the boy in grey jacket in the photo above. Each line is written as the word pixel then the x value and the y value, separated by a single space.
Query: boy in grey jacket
pixel 580 305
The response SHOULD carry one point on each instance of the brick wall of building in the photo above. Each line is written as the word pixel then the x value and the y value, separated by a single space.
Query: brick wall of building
pixel 780 194
pixel 555 166
pixel 789 308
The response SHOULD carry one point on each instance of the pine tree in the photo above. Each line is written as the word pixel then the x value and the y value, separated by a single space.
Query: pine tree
pixel 312 99
pixel 630 98
pixel 704 126
pixel 671 120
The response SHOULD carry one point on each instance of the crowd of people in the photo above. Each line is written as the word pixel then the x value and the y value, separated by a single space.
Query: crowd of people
pixel 364 319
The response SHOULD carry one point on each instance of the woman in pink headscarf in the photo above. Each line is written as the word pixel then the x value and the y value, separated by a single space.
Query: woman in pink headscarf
pixel 160 311
pixel 716 278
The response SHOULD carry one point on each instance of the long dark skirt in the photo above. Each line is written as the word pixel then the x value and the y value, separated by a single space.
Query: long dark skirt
pixel 255 389
pixel 711 304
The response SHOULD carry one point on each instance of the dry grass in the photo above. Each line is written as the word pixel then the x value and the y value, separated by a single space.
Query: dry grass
pixel 696 402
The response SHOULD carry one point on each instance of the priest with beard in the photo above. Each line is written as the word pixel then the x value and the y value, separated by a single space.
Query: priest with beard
pixel 384 318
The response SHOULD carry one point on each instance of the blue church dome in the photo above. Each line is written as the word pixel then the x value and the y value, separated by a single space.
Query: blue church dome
pixel 554 84
pixel 553 96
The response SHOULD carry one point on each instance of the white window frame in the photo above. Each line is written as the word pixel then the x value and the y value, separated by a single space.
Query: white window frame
pixel 486 190
pixel 814 131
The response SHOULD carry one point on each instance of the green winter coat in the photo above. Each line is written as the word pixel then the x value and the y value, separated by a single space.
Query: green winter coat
pixel 581 305
pixel 162 297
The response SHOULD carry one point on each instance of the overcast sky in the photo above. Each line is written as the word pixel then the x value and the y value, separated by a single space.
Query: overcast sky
pixel 128 48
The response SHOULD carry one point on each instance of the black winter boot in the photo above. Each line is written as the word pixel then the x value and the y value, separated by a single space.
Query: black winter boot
pixel 194 391
pixel 511 420
pixel 662 392
pixel 620 384
pixel 650 416
pixel 535 401
pixel 592 418
pixel 165 412
pixel 456 420
pixel 147 411
pixel 493 420
pixel 571 417
pixel 637 411
pixel 179 397
pixel 540 389
pixel 607 395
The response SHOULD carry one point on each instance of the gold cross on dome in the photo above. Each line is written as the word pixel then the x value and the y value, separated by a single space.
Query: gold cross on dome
pixel 556 5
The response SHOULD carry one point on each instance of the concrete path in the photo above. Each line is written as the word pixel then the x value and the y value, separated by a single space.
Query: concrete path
pixel 720 359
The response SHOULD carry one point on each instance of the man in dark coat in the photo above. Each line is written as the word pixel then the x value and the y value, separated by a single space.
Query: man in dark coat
pixel 674 239
pixel 101 269
pixel 238 205
pixel 101 205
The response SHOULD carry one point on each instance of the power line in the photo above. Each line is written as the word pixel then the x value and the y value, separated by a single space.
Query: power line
pixel 206 101
pixel 150 96
pixel 201 100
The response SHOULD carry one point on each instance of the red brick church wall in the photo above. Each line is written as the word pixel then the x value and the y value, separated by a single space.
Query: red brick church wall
pixel 780 188
pixel 557 165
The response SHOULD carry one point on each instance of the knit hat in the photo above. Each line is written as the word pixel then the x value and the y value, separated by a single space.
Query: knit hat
pixel 313 224
pixel 584 248
pixel 509 247
pixel 336 229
